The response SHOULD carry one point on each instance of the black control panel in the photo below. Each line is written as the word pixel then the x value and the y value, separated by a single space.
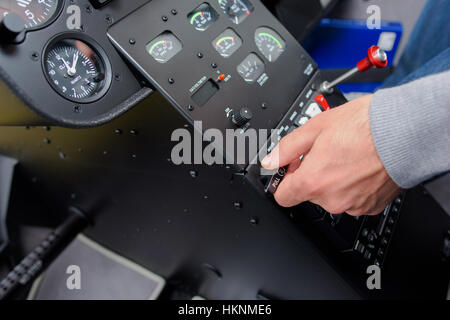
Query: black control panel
pixel 229 64
pixel 365 239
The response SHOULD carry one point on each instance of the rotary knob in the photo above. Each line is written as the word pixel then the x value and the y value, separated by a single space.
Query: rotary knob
pixel 11 27
pixel 242 117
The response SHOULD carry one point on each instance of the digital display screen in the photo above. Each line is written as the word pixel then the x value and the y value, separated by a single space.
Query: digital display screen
pixel 206 92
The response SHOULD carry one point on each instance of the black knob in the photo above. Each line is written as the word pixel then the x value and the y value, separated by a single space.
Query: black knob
pixel 242 117
pixel 11 27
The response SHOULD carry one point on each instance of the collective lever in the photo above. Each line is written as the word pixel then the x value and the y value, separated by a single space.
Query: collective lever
pixel 376 58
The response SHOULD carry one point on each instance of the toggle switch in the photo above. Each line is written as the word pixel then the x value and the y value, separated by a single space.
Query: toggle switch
pixel 320 99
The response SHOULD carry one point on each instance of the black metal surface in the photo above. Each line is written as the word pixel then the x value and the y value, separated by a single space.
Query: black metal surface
pixel 158 215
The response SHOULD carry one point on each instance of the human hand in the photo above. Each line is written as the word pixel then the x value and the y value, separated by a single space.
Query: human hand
pixel 341 170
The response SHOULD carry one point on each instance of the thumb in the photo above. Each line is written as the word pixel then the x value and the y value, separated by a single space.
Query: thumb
pixel 292 147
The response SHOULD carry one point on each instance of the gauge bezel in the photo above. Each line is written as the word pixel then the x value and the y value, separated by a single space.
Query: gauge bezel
pixel 273 33
pixel 52 19
pixel 160 36
pixel 231 18
pixel 244 60
pixel 235 35
pixel 78 35
pixel 197 9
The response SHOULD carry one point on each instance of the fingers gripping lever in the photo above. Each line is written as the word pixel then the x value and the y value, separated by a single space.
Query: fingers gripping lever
pixel 376 58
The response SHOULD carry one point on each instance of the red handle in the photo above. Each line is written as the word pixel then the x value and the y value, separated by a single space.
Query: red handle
pixel 376 58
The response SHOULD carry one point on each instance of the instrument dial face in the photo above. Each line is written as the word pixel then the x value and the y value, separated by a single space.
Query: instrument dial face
pixel 164 47
pixel 76 70
pixel 227 43
pixel 269 43
pixel 236 10
pixel 251 68
pixel 203 17
pixel 35 13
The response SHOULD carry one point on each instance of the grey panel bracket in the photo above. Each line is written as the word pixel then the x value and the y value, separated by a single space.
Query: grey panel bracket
pixel 7 166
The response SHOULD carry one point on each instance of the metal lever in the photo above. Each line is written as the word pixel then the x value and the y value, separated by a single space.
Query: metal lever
pixel 376 58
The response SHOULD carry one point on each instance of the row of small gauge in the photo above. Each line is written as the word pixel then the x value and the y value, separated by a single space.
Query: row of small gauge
pixel 74 65
pixel 270 44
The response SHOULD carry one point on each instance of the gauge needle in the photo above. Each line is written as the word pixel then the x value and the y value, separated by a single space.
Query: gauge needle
pixel 72 71
pixel 67 66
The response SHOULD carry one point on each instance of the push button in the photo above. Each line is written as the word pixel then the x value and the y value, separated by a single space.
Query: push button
pixel 301 120
pixel 292 128
pixel 313 110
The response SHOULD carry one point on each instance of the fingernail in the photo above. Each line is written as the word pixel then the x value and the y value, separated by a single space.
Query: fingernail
pixel 267 160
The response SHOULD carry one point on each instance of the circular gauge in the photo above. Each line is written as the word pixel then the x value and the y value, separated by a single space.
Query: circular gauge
pixel 76 68
pixel 164 47
pixel 35 13
pixel 269 43
pixel 227 43
pixel 203 17
pixel 236 10
pixel 251 68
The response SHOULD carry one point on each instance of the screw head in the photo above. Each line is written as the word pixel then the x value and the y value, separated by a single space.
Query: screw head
pixel 190 107
pixel 35 56
pixel 174 12
pixel 254 221
pixel 132 41
pixel 164 18
pixel 171 80
pixel 193 173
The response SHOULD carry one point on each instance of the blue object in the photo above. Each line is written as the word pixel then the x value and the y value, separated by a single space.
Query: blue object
pixel 359 87
pixel 338 44
pixel 428 49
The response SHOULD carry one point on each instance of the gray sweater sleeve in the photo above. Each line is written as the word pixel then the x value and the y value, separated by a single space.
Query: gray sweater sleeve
pixel 411 129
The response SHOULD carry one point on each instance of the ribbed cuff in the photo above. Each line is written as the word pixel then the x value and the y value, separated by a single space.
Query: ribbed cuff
pixel 410 127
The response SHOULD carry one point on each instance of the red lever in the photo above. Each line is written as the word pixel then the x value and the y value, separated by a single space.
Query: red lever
pixel 376 58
